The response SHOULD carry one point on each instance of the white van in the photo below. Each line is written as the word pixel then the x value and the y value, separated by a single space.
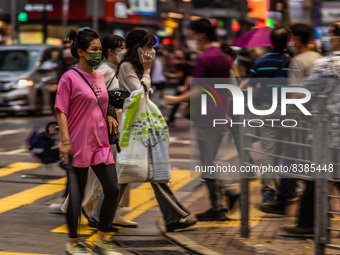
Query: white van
pixel 26 73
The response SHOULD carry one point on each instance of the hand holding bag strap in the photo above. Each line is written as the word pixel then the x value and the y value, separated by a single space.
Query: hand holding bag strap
pixel 144 86
pixel 101 108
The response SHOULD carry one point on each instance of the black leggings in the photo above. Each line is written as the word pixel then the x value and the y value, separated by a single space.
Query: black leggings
pixel 77 178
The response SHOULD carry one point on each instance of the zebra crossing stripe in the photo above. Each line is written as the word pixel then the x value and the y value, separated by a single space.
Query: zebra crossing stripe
pixel 29 196
pixel 16 167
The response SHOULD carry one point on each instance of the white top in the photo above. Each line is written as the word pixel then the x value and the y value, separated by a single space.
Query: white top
pixel 109 71
pixel 128 78
pixel 300 66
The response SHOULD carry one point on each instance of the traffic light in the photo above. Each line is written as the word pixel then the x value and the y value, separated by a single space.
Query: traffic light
pixel 260 24
pixel 235 25
pixel 270 23
pixel 22 17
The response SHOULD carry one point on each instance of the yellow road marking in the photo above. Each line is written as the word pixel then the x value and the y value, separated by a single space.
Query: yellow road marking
pixel 230 155
pixel 13 253
pixel 146 199
pixel 225 224
pixel 31 195
pixel 142 199
pixel 16 167
pixel 83 229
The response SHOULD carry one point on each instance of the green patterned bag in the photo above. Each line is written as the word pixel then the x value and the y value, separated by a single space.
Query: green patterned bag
pixel 144 141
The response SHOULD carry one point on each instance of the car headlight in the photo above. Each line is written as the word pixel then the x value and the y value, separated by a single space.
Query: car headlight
pixel 21 84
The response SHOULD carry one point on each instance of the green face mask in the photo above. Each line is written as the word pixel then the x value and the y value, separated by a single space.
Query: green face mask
pixel 95 58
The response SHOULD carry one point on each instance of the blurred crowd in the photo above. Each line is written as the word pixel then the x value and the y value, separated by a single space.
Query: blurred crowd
pixel 164 69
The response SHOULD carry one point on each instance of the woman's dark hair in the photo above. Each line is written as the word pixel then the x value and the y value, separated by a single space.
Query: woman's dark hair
pixel 335 29
pixel 81 40
pixel 228 51
pixel 303 31
pixel 134 40
pixel 111 42
pixel 279 37
pixel 203 26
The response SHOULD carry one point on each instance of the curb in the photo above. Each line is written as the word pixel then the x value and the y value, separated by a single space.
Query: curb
pixel 192 246
pixel 185 242
pixel 181 240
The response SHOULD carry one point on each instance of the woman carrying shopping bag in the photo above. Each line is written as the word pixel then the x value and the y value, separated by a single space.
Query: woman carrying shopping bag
pixel 144 134
pixel 81 105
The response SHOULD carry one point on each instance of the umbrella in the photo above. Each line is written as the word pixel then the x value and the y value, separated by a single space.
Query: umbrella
pixel 257 37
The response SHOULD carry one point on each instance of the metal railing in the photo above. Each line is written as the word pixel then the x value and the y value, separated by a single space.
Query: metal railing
pixel 311 140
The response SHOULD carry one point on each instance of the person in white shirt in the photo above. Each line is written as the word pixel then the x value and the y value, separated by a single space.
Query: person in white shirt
pixel 133 71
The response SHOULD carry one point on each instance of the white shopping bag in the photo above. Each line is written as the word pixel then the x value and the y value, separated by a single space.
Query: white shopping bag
pixel 144 141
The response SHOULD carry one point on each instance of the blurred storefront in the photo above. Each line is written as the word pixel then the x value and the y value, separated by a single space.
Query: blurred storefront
pixel 330 12
pixel 54 18
pixel 36 21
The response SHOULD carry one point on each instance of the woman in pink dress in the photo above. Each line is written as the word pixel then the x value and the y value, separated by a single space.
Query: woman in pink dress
pixel 84 136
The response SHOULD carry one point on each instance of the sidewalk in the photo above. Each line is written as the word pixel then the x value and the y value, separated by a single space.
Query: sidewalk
pixel 213 238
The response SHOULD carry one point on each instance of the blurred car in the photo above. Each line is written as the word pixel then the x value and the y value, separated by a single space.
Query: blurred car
pixel 26 73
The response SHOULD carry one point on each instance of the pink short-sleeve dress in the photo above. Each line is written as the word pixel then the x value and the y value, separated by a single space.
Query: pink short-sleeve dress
pixel 86 124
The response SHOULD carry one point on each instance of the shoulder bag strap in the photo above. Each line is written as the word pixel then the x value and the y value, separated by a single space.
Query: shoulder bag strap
pixel 110 83
pixel 101 108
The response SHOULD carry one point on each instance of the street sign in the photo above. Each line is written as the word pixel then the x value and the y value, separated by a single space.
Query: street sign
pixel 121 10
pixel 143 7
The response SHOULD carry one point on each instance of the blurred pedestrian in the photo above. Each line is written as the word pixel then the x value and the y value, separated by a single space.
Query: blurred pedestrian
pixel 274 65
pixel 157 76
pixel 234 72
pixel 245 61
pixel 134 70
pixel 67 62
pixel 114 50
pixel 184 72
pixel 299 67
pixel 322 80
pixel 211 63
pixel 84 136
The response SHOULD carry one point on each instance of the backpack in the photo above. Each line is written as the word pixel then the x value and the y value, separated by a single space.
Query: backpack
pixel 40 144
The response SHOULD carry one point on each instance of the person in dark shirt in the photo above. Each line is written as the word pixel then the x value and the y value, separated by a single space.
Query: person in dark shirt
pixel 211 63
pixel 274 64
pixel 184 68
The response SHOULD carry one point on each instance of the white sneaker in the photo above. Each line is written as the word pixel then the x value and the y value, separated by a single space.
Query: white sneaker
pixel 106 247
pixel 56 208
pixel 119 220
pixel 77 249
pixel 123 210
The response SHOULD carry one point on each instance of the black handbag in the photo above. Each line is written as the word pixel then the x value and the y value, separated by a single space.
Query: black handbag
pixel 117 98
pixel 113 138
